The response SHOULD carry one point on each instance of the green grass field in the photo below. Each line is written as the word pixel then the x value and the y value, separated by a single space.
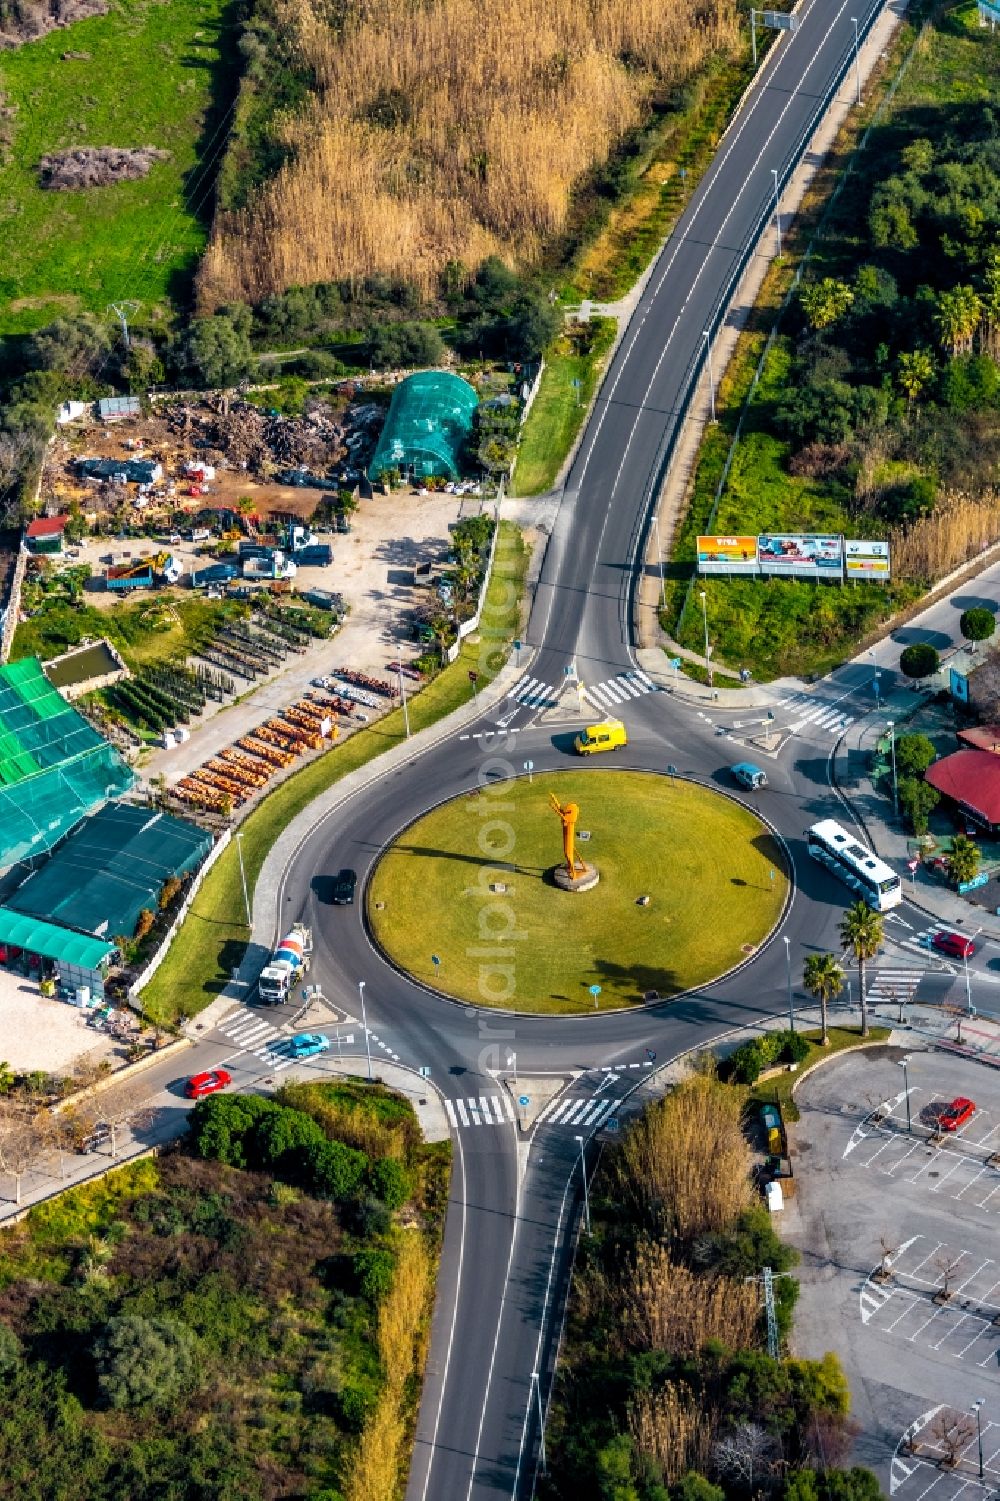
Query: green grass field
pixel 560 407
pixel 213 938
pixel 158 74
pixel 705 861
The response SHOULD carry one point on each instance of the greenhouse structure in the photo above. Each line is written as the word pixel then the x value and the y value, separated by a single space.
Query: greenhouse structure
pixel 427 428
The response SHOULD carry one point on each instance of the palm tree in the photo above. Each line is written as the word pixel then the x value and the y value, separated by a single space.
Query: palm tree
pixel 861 931
pixel 823 978
pixel 915 368
pixel 958 315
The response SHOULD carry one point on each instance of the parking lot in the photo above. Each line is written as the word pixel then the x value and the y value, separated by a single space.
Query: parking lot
pixel 896 1222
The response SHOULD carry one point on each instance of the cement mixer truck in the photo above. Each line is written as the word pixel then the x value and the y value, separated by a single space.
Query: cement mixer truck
pixel 286 966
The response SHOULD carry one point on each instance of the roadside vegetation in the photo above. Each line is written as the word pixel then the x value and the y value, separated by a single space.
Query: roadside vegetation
pixel 878 410
pixel 574 365
pixel 212 940
pixel 664 1386
pixel 237 1317
pixel 144 74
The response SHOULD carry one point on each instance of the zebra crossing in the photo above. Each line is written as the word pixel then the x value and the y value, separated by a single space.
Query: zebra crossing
pixel 498 1110
pixel 893 986
pixel 804 709
pixel 920 943
pixel 609 694
pixel 262 1039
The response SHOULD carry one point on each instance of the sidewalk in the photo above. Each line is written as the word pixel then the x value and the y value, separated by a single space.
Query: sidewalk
pixel 852 759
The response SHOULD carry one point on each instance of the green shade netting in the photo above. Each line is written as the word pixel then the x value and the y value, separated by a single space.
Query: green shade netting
pixel 51 942
pixel 111 867
pixel 54 766
pixel 429 422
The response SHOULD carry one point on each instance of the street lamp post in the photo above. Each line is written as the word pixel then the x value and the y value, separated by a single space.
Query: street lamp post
pixel 536 1383
pixel 788 969
pixel 777 210
pixel 586 1192
pixel 704 616
pixel 243 877
pixel 892 751
pixel 659 554
pixel 857 63
pixel 711 373
pixel 968 982
pixel 402 694
pixel 364 1023
pixel 906 1091
pixel 979 1431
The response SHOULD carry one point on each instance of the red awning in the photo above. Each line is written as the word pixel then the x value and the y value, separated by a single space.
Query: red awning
pixel 982 737
pixel 972 778
pixel 46 526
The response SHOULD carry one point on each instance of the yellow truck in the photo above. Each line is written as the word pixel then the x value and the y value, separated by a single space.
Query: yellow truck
pixel 601 737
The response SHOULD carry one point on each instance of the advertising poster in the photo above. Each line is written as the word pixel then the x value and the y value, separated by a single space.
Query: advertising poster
pixel 801 555
pixel 727 554
pixel 867 560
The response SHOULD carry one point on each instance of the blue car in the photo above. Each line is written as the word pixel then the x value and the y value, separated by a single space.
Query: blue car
pixel 308 1044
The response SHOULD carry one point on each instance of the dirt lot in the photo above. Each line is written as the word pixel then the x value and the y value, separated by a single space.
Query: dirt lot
pixel 29 1016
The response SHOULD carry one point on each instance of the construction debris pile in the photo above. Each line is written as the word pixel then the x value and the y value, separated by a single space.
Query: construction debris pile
pixel 236 434
pixel 97 166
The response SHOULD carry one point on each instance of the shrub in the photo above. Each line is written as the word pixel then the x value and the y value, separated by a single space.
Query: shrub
pixel 914 753
pixel 145 1362
pixel 355 1406
pixel 796 1047
pixel 221 1124
pixel 334 1170
pixel 390 1182
pixel 918 799
pixel 374 1270
pixel 977 624
pixel 279 1140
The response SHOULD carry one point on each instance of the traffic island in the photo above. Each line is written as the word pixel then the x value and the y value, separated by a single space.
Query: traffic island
pixel 468 900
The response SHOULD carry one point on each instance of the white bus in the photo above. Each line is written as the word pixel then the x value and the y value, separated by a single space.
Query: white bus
pixel 854 863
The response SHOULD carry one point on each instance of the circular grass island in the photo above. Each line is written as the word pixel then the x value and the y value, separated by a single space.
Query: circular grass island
pixel 471 884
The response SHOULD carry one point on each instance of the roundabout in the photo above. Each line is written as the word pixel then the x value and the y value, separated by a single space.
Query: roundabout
pixel 676 885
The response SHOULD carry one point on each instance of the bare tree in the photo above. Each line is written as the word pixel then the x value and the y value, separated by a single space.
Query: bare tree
pixel 885 1261
pixel 952 1431
pixel 749 1456
pixel 947 1265
pixel 20 1142
pixel 123 1105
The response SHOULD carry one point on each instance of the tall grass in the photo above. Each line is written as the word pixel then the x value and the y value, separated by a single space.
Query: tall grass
pixel 374 1474
pixel 449 131
pixel 959 528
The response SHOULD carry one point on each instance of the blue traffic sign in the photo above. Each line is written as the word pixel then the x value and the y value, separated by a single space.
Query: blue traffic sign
pixel 523 1100
pixel 435 960
pixel 595 990
pixel 651 1055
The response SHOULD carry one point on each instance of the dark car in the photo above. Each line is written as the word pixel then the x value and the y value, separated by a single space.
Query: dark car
pixel 344 883
pixel 199 1085
pixel 957 1113
pixel 955 945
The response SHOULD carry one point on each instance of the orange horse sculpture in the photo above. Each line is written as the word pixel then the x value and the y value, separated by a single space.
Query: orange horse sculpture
pixel 568 813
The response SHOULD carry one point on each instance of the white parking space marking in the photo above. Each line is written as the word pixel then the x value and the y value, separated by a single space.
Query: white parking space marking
pixel 906 1306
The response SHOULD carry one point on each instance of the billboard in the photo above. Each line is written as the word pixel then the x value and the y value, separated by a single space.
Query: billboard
pixel 727 554
pixel 988 14
pixel 866 559
pixel 808 555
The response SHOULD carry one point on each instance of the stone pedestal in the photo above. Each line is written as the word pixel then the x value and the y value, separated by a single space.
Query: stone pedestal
pixel 584 880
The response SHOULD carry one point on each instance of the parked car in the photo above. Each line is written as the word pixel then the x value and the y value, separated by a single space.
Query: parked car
pixel 955 945
pixel 344 884
pixel 308 1044
pixel 200 1085
pixel 957 1113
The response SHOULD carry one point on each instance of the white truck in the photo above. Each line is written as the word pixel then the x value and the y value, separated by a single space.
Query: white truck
pixel 286 966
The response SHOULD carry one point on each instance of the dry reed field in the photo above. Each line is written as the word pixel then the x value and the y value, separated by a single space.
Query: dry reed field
pixel 446 131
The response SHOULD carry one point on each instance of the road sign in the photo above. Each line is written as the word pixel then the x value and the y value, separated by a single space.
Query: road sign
pixel 473 676
pixel 779 20
pixel 425 1072
pixel 611 1124
pixel 524 1101
pixel 675 662
pixel 517 645
pixel 651 1055
pixel 435 960
pixel 529 765
pixel 912 864
pixel 570 670
pixel 595 990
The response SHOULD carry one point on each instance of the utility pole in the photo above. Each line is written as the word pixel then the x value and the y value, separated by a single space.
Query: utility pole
pixel 711 374
pixel 120 310
pixel 777 210
pixel 767 1277
pixel 857 63
pixel 402 694
pixel 364 1023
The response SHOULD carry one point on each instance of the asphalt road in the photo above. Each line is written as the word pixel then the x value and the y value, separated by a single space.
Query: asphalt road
pixel 514 1202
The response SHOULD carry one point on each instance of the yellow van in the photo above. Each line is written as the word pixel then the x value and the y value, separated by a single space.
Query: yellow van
pixel 601 737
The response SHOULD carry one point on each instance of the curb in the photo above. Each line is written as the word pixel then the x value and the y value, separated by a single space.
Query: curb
pixel 122 1074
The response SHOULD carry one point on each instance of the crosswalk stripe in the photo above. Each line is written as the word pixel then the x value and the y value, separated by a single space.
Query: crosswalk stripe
pixel 498 1108
pixel 484 1106
pixel 245 1023
pixel 577 1109
pixel 596 693
pixel 450 1110
pixel 593 1109
pixel 255 1035
pixel 648 683
pixel 462 1112
pixel 604 1112
pixel 615 691
pixel 559 1111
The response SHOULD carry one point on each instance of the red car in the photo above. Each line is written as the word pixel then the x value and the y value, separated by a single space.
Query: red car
pixel 955 945
pixel 957 1113
pixel 200 1085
